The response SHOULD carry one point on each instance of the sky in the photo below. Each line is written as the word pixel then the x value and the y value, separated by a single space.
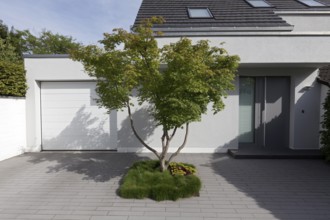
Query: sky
pixel 84 20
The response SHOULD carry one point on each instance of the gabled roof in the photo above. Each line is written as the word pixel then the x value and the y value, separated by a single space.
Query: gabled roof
pixel 227 13
pixel 324 75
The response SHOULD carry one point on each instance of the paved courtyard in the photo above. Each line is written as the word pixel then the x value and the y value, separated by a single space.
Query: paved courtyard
pixel 83 186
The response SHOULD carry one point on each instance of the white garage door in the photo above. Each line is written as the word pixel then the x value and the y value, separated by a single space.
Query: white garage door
pixel 71 119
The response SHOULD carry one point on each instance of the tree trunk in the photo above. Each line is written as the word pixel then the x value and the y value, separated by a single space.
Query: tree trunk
pixel 136 134
pixel 163 164
pixel 166 140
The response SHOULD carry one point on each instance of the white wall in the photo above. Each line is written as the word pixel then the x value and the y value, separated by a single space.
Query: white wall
pixel 45 69
pixel 12 127
pixel 281 49
pixel 214 133
pixel 309 23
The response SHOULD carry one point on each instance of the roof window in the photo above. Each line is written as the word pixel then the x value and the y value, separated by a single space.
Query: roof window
pixel 199 13
pixel 259 3
pixel 312 3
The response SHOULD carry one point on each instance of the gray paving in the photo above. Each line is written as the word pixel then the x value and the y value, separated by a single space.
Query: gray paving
pixel 83 186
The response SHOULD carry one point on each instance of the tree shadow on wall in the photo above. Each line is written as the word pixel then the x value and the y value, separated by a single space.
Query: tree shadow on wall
pixel 144 125
pixel 83 132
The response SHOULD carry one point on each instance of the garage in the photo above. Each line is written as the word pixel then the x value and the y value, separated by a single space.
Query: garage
pixel 71 119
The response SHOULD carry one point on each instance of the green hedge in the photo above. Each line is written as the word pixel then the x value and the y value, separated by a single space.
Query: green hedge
pixel 12 79
pixel 325 133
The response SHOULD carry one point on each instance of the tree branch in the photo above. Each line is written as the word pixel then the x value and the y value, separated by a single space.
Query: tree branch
pixel 136 134
pixel 173 133
pixel 182 146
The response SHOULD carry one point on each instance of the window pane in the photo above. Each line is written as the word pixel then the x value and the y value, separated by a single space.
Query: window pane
pixel 311 3
pixel 246 109
pixel 258 3
pixel 199 13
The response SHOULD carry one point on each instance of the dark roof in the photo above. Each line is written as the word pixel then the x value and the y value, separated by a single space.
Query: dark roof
pixel 227 13
pixel 324 75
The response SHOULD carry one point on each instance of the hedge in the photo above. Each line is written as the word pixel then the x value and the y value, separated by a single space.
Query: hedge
pixel 325 133
pixel 12 79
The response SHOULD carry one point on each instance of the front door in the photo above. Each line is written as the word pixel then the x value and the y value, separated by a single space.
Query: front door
pixel 264 112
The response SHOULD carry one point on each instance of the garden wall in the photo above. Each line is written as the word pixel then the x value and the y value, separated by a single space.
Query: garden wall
pixel 12 127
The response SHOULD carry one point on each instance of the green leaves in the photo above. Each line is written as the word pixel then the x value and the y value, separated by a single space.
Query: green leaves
pixel 12 73
pixel 12 79
pixel 196 75
pixel 325 133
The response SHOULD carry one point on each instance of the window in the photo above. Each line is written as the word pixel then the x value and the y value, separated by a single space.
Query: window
pixel 246 109
pixel 259 3
pixel 199 13
pixel 312 3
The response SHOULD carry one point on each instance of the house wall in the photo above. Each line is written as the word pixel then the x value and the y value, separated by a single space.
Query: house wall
pixel 317 22
pixel 45 69
pixel 268 49
pixel 12 129
pixel 304 117
pixel 212 134
pixel 215 133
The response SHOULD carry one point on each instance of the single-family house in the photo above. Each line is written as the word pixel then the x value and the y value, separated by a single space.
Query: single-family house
pixel 276 103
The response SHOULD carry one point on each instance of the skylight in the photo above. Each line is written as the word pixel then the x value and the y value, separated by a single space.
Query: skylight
pixel 312 3
pixel 199 13
pixel 259 3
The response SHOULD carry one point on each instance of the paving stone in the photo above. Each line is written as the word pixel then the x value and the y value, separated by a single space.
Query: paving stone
pixel 63 186
pixel 73 217
pixel 109 218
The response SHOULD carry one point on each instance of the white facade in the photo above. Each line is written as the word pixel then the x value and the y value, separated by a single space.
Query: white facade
pixel 12 129
pixel 297 55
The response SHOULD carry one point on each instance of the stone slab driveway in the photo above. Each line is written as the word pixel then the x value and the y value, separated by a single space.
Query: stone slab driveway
pixel 83 186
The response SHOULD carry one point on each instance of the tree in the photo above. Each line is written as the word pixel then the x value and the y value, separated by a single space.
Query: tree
pixel 8 52
pixel 196 75
pixel 48 43
pixel 325 132
pixel 14 43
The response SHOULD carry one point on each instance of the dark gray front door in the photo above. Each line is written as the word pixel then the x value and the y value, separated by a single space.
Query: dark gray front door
pixel 264 112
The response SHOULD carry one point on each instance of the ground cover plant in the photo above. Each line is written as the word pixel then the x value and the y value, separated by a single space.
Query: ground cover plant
pixel 145 180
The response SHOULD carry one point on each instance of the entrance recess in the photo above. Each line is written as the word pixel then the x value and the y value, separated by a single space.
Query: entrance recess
pixel 264 112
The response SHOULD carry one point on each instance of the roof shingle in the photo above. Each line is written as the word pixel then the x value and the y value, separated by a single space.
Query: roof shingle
pixel 227 13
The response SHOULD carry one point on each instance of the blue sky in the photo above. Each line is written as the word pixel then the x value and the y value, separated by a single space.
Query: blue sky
pixel 84 20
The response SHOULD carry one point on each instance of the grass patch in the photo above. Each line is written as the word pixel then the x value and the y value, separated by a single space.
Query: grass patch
pixel 144 180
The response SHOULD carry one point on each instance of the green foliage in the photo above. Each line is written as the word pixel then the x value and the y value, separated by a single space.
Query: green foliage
pixel 14 43
pixel 12 79
pixel 48 43
pixel 130 65
pixel 12 73
pixel 144 180
pixel 325 133
pixel 182 169
pixel 8 53
pixel 196 75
